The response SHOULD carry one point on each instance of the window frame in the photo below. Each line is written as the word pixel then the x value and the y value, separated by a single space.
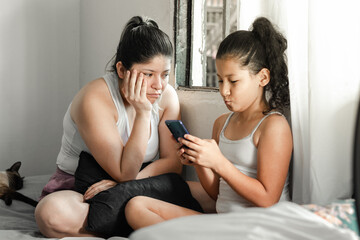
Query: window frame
pixel 185 51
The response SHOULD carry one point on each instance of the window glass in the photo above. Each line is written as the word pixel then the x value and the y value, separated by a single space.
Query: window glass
pixel 208 21
pixel 216 30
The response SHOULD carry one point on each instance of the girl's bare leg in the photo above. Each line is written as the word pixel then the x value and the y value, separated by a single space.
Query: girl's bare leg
pixel 62 214
pixel 144 211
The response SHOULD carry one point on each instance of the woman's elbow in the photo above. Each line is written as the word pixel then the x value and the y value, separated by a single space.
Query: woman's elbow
pixel 179 169
pixel 124 176
pixel 174 166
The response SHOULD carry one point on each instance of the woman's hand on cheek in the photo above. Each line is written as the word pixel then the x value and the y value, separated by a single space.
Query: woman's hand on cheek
pixel 134 90
pixel 203 152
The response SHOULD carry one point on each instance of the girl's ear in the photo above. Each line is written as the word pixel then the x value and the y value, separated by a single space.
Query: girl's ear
pixel 264 76
pixel 120 69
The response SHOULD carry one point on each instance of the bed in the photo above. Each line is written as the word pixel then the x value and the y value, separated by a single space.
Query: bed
pixel 285 220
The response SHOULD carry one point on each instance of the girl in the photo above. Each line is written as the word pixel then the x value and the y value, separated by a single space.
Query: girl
pixel 120 120
pixel 246 163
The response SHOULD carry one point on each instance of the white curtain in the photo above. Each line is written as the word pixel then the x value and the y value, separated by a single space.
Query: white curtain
pixel 324 62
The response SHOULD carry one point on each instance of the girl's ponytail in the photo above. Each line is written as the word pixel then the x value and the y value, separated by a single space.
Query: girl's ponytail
pixel 274 44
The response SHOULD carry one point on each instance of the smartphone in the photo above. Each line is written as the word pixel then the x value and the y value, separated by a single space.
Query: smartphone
pixel 177 128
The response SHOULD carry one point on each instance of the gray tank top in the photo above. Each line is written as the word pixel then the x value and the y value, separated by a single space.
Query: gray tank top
pixel 243 154
pixel 72 144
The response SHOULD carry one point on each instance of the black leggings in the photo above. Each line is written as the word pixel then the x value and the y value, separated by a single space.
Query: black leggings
pixel 107 209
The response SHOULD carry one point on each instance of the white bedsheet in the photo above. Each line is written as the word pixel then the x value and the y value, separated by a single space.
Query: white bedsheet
pixel 285 220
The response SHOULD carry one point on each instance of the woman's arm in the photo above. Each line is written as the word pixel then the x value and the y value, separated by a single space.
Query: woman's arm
pixel 95 115
pixel 274 152
pixel 168 161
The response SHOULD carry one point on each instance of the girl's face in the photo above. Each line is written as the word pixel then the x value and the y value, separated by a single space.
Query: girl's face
pixel 239 88
pixel 156 72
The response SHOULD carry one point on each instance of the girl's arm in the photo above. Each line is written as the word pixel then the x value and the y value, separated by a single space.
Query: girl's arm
pixel 209 181
pixel 169 161
pixel 208 178
pixel 274 152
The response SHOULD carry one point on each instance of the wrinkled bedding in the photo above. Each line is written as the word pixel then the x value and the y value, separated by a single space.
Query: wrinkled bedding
pixel 17 221
pixel 285 220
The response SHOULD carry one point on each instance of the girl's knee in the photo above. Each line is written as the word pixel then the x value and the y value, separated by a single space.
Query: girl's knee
pixel 136 203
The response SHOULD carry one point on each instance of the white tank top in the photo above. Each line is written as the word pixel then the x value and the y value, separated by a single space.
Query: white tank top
pixel 72 144
pixel 243 154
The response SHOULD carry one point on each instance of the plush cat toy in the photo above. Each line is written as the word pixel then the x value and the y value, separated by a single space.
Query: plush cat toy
pixel 10 182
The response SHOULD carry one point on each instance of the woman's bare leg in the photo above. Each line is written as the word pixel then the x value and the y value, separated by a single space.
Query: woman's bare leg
pixel 144 211
pixel 198 192
pixel 62 214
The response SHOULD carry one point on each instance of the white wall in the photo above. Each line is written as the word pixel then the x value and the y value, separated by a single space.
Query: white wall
pixel 101 25
pixel 39 74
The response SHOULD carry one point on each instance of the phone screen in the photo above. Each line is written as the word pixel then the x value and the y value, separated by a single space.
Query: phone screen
pixel 177 128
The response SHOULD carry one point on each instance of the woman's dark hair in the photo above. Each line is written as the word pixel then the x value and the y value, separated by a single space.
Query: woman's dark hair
pixel 262 47
pixel 140 41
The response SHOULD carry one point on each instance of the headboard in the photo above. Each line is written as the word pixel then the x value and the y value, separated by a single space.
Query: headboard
pixel 356 172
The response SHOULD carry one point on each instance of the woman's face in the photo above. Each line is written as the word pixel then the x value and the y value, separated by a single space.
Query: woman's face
pixel 239 88
pixel 156 72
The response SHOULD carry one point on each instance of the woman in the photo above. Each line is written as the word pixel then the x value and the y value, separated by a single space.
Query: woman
pixel 119 119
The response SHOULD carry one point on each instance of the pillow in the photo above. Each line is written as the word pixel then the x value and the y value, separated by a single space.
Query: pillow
pixel 107 209
pixel 340 213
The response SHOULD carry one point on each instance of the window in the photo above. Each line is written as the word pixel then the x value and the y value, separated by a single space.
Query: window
pixel 199 28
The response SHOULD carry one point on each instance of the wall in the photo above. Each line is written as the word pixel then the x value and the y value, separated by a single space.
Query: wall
pixel 39 74
pixel 101 25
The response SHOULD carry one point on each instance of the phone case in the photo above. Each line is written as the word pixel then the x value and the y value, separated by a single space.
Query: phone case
pixel 177 128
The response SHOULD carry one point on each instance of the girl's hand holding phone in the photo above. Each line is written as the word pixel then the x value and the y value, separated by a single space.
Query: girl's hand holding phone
pixel 134 89
pixel 203 152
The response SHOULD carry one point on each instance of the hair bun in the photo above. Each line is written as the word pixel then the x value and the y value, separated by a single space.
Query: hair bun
pixel 264 30
pixel 261 27
pixel 143 21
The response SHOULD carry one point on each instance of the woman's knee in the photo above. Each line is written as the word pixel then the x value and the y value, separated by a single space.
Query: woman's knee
pixel 48 216
pixel 61 214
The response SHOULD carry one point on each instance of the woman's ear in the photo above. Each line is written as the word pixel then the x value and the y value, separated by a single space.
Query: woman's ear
pixel 264 77
pixel 120 69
